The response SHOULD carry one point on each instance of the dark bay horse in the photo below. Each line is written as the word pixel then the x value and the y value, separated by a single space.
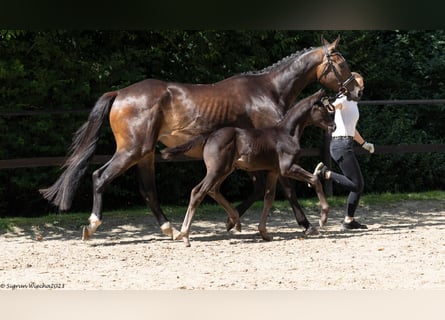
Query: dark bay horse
pixel 173 113
pixel 275 149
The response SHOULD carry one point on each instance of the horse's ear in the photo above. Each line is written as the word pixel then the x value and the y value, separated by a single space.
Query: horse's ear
pixel 324 42
pixel 331 46
pixel 335 43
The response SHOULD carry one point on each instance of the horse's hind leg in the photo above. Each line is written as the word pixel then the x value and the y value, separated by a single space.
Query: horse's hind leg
pixel 102 177
pixel 147 187
pixel 289 192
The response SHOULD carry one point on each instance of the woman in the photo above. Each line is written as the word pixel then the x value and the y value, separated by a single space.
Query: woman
pixel 342 151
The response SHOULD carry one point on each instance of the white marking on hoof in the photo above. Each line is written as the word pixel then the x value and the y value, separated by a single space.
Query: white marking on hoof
pixel 94 222
pixel 176 234
pixel 166 229
pixel 179 236
pixel 89 230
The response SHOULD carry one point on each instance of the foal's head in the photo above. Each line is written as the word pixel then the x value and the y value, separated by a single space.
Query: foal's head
pixel 321 113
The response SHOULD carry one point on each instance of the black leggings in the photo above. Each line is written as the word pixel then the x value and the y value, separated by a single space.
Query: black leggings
pixel 342 152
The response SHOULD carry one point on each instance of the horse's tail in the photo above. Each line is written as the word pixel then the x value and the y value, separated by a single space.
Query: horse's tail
pixel 84 144
pixel 170 153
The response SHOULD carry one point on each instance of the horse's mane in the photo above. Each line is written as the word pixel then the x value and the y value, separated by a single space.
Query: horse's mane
pixel 290 57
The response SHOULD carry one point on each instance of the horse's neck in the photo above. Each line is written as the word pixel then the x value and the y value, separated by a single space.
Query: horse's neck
pixel 290 79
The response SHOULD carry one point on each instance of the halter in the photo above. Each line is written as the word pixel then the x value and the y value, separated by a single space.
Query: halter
pixel 326 102
pixel 341 84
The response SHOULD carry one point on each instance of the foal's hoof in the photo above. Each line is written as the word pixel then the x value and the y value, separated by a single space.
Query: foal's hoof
pixel 183 236
pixel 187 242
pixel 323 220
pixel 178 235
pixel 265 235
pixel 311 231
pixel 229 224
pixel 86 233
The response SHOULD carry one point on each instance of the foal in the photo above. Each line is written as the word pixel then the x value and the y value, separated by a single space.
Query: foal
pixel 273 149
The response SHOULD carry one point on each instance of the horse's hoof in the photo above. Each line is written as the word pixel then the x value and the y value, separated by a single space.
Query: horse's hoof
pixel 322 221
pixel 86 233
pixel 229 224
pixel 266 236
pixel 167 229
pixel 311 231
pixel 187 242
pixel 178 235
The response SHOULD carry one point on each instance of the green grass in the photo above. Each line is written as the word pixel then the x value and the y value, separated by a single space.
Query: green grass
pixel 76 220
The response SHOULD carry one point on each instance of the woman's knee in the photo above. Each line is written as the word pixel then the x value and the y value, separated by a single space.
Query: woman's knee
pixel 359 186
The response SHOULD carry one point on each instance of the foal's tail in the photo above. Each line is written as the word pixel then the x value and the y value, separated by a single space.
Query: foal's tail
pixel 84 144
pixel 170 153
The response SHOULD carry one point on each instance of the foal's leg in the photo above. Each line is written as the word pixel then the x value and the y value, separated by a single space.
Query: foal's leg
pixel 232 213
pixel 197 195
pixel 298 173
pixel 216 173
pixel 259 182
pixel 147 187
pixel 289 191
pixel 102 177
pixel 269 196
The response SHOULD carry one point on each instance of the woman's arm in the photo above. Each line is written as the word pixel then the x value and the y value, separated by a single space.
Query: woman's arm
pixel 358 137
pixel 365 145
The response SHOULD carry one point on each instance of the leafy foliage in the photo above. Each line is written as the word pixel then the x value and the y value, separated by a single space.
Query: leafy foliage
pixel 68 70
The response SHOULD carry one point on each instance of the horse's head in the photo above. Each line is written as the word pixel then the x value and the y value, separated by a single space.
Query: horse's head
pixel 322 111
pixel 334 72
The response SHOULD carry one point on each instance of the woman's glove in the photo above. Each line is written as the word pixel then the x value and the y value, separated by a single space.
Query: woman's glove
pixel 368 146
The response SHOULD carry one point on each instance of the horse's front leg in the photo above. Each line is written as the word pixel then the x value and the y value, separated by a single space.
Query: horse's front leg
pixel 298 173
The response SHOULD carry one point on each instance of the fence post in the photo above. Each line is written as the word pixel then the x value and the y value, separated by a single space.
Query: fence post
pixel 326 158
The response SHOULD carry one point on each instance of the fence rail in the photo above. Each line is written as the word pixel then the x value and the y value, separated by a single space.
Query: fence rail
pixel 308 152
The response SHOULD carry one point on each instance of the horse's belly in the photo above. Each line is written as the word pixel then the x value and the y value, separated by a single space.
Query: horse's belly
pixel 249 163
